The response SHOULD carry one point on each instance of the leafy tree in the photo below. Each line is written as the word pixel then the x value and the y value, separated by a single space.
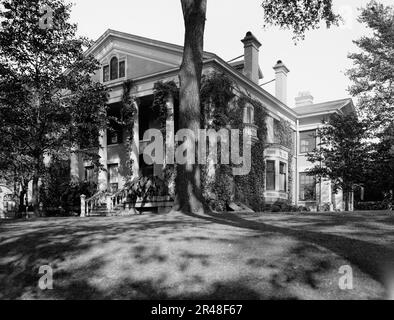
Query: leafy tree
pixel 373 70
pixel 342 155
pixel 381 172
pixel 373 85
pixel 298 16
pixel 49 104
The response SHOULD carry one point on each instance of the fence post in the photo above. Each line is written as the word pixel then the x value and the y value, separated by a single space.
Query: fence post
pixel 83 206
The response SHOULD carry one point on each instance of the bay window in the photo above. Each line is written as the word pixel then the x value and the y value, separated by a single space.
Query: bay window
pixel 270 175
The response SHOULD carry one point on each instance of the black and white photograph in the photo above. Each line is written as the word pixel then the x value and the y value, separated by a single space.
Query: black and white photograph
pixel 196 150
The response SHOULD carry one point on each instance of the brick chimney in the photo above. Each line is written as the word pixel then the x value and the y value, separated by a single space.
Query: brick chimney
pixel 304 99
pixel 281 72
pixel 251 57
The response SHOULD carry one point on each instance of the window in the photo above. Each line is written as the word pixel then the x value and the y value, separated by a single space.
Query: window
pixel 307 141
pixel 249 114
pixel 122 69
pixel 113 177
pixel 89 174
pixel 106 73
pixel 282 176
pixel 270 175
pixel 114 133
pixel 307 187
pixel 115 127
pixel 116 69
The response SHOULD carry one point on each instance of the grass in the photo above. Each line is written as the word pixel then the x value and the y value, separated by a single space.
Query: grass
pixel 176 256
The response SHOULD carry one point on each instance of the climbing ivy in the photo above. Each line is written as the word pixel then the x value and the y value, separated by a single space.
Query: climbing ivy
pixel 250 188
pixel 218 112
pixel 128 115
pixel 222 107
pixel 161 93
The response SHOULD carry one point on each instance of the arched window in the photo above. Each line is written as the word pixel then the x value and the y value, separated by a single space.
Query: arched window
pixel 114 68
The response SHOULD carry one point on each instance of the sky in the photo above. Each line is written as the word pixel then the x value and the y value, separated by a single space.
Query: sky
pixel 317 64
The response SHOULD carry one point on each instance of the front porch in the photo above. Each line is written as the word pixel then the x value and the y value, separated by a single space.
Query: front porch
pixel 123 169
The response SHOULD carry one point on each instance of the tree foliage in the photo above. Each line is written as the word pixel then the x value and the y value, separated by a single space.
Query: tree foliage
pixel 373 70
pixel 49 103
pixel 342 154
pixel 299 16
pixel 381 172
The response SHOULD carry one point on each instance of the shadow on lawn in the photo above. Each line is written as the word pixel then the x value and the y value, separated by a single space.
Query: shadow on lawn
pixel 373 259
pixel 51 242
pixel 28 246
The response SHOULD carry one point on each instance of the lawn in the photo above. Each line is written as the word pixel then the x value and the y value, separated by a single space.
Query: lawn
pixel 175 256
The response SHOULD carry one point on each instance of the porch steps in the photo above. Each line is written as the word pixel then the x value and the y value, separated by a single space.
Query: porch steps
pixel 101 211
pixel 155 205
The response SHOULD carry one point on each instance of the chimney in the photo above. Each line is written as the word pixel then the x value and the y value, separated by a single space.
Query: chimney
pixel 251 56
pixel 281 72
pixel 304 99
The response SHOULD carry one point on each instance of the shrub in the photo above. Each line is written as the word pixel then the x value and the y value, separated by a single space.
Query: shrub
pixel 275 208
pixel 372 205
pixel 325 207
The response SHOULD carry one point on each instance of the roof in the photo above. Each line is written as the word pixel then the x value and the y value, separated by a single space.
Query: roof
pixel 143 40
pixel 329 106
pixel 240 65
pixel 207 56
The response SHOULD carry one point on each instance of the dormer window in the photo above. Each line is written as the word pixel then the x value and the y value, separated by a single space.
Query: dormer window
pixel 249 114
pixel 115 70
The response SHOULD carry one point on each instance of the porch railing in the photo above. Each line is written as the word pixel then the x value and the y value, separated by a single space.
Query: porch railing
pixel 117 199
pixel 88 205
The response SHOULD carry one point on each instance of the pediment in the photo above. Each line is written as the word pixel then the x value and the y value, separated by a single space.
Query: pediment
pixel 144 56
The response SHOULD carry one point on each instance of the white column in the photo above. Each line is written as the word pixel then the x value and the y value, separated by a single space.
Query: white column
pixel 136 144
pixel 170 134
pixel 2 213
pixel 74 166
pixel 103 153
pixel 83 206
pixel 270 129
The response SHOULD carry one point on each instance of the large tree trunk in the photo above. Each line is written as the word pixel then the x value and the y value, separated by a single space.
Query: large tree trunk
pixel 22 197
pixel 35 196
pixel 346 199
pixel 188 183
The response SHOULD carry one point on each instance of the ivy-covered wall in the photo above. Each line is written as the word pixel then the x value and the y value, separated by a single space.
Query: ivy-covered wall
pixel 218 110
pixel 222 106
pixel 249 189
pixel 163 92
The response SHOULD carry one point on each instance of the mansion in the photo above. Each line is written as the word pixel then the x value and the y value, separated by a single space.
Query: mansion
pixel 145 61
